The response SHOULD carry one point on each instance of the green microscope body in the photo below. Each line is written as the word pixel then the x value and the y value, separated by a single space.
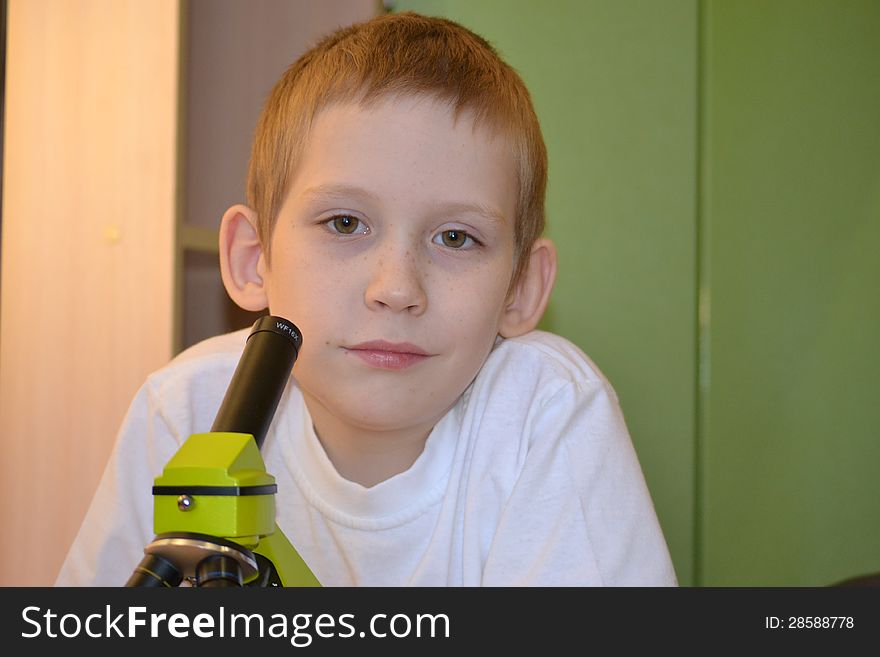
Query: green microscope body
pixel 214 504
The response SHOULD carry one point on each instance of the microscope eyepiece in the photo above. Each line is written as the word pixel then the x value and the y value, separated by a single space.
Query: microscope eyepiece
pixel 259 379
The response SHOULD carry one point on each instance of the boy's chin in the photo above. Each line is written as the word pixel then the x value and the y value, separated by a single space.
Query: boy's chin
pixel 390 421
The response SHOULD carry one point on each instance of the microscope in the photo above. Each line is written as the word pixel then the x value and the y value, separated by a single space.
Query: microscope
pixel 214 504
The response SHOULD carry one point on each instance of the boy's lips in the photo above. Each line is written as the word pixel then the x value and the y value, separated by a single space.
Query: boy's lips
pixel 388 355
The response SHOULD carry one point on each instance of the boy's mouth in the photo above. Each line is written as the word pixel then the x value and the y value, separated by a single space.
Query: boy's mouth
pixel 388 355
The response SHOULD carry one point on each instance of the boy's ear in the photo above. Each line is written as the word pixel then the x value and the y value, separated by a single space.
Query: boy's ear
pixel 242 264
pixel 529 297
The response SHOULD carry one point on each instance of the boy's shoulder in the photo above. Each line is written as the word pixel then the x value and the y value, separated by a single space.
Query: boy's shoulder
pixel 209 362
pixel 543 360
pixel 210 349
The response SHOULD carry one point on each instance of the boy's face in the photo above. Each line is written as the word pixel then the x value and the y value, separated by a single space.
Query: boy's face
pixel 392 253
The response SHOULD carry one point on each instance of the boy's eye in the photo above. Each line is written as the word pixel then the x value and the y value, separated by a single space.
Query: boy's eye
pixel 345 224
pixel 454 239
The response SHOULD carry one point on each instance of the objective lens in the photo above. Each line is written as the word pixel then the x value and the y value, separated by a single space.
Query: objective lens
pixel 154 570
pixel 217 571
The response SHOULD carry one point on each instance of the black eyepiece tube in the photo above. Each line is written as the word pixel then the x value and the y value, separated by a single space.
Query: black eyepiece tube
pixel 259 378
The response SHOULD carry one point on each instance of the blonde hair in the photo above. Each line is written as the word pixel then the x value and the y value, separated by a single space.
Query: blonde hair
pixel 390 55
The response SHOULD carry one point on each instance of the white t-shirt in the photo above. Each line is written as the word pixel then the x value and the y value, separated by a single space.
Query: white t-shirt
pixel 530 479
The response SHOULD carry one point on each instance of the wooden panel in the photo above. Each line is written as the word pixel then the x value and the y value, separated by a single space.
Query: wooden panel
pixel 87 262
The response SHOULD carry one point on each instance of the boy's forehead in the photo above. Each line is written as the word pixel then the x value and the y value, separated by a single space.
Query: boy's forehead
pixel 422 121
pixel 461 119
pixel 357 153
pixel 357 148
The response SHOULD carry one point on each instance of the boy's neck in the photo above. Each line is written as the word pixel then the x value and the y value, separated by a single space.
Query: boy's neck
pixel 363 456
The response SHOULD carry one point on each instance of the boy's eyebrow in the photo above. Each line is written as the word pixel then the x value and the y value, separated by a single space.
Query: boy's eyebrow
pixel 319 192
pixel 484 211
pixel 338 191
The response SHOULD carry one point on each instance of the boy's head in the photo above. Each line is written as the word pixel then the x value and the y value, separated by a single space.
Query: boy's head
pixel 400 54
pixel 398 178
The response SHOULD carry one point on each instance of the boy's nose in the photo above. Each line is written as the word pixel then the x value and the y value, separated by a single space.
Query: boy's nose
pixel 396 283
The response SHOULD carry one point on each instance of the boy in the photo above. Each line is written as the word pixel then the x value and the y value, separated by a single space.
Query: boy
pixel 429 435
